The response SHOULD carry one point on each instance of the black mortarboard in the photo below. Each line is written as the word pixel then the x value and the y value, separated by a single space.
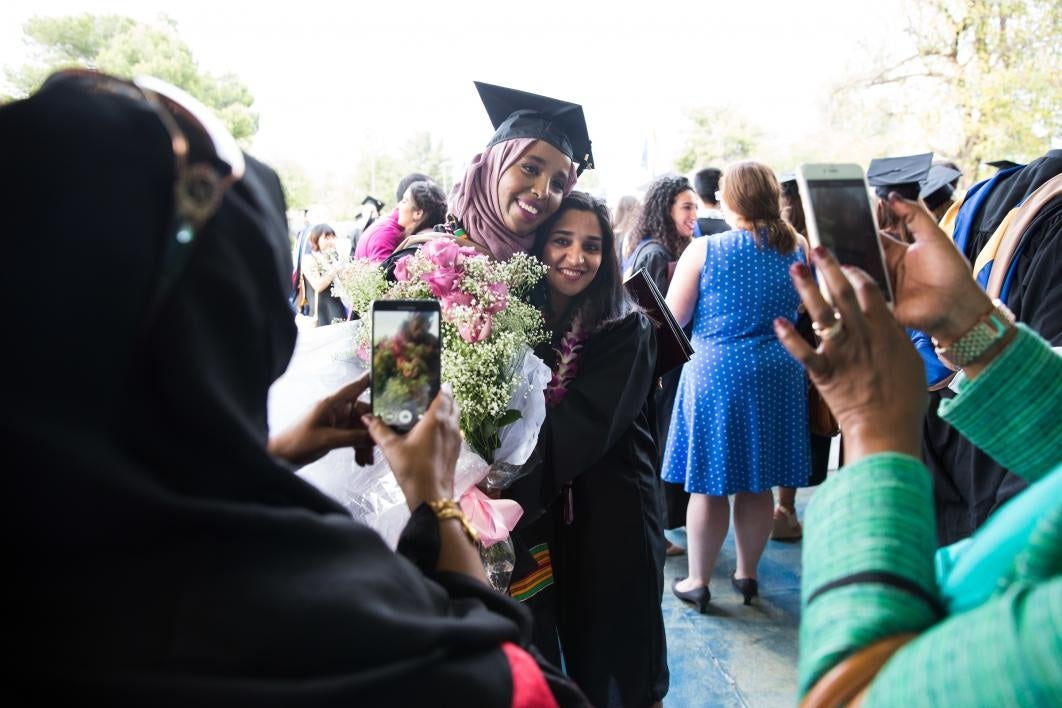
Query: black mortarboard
pixel 374 201
pixel 937 188
pixel 519 114
pixel 1003 164
pixel 903 175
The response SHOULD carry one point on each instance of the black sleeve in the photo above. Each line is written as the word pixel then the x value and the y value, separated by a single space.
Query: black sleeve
pixel 656 261
pixel 614 382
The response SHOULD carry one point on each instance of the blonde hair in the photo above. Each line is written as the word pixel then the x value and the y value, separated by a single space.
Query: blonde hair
pixel 751 191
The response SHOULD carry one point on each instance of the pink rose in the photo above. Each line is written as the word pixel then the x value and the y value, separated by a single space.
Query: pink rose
pixel 441 281
pixel 454 298
pixel 442 252
pixel 474 329
pixel 464 253
pixel 499 297
pixel 401 272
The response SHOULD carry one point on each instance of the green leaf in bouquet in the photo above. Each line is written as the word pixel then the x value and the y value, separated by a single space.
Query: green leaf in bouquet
pixel 510 416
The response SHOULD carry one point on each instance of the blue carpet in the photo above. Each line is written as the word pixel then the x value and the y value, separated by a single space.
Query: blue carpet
pixel 736 655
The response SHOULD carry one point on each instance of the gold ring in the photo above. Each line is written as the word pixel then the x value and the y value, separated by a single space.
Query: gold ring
pixel 828 332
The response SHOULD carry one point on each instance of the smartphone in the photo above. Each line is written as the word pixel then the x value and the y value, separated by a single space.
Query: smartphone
pixel 406 359
pixel 840 217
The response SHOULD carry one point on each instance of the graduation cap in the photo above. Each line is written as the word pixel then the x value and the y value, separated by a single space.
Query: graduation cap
pixel 903 175
pixel 374 201
pixel 937 188
pixel 519 114
pixel 1004 164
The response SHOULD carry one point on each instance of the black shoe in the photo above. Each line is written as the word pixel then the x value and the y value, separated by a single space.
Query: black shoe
pixel 699 596
pixel 747 587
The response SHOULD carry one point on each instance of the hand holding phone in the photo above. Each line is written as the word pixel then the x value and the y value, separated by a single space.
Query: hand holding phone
pixel 406 360
pixel 839 217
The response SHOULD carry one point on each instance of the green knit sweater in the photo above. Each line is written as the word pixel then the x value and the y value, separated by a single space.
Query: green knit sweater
pixel 870 541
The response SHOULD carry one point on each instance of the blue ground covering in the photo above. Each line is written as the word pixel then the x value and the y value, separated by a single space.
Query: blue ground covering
pixel 736 655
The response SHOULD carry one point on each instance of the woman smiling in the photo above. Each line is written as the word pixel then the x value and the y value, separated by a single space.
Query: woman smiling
pixel 539 148
pixel 591 523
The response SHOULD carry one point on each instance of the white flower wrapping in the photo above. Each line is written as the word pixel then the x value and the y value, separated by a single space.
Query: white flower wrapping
pixel 324 359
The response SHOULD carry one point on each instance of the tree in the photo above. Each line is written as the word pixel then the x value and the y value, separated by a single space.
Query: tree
pixel 718 136
pixel 980 81
pixel 126 48
pixel 425 155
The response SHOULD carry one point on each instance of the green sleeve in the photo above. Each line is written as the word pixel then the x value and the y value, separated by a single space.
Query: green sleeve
pixel 1007 652
pixel 1013 410
pixel 871 528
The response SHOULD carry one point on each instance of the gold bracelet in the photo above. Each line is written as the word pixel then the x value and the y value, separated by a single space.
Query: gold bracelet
pixel 448 509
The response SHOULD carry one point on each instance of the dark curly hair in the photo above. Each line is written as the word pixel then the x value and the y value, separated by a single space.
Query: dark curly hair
pixel 655 219
pixel 604 299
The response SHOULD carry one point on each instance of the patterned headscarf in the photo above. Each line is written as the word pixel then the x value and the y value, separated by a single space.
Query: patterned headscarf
pixel 475 200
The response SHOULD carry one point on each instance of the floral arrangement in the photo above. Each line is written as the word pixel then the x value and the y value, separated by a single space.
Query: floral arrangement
pixel 567 351
pixel 488 329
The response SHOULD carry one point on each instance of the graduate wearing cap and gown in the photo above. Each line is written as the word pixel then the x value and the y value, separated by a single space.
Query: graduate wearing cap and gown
pixel 539 148
pixel 160 555
pixel 1010 228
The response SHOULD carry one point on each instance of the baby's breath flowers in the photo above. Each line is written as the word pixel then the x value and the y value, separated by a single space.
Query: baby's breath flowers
pixel 487 326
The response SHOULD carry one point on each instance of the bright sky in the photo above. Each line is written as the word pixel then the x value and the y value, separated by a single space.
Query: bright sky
pixel 331 80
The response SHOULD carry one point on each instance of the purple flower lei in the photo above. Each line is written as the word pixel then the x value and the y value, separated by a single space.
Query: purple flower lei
pixel 568 351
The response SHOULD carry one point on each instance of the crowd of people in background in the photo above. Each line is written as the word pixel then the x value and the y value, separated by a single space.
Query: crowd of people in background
pixel 197 568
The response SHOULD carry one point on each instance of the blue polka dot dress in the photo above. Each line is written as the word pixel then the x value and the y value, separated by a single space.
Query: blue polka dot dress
pixel 740 420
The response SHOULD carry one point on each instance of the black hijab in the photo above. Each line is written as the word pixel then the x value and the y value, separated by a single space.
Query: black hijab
pixel 162 557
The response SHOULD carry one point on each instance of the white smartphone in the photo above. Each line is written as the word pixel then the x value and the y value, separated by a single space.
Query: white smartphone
pixel 840 217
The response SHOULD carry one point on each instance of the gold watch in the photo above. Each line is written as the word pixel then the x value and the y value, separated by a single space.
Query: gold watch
pixel 989 329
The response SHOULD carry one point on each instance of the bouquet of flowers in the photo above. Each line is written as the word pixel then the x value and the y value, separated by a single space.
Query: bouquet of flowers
pixel 488 334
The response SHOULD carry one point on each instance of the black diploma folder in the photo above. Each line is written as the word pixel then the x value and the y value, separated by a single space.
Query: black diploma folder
pixel 673 348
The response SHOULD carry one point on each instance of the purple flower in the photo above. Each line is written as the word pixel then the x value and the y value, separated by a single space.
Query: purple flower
pixel 441 281
pixel 443 252
pixel 401 269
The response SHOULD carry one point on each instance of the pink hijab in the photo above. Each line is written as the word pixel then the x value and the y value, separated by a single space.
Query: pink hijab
pixel 475 199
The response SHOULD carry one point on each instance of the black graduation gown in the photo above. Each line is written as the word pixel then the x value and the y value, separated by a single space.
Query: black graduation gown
pixel 968 484
pixel 606 541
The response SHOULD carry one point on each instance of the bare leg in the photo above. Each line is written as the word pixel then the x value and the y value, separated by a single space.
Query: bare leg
pixel 707 521
pixel 753 520
pixel 787 498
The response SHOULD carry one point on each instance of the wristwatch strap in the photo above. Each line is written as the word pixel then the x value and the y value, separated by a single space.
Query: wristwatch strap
pixel 988 330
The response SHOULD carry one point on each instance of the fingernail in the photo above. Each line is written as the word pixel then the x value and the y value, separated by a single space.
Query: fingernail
pixel 366 420
pixel 448 389
pixel 820 252
pixel 800 270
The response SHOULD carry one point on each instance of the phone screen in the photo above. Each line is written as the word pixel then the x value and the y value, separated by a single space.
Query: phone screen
pixel 845 225
pixel 406 349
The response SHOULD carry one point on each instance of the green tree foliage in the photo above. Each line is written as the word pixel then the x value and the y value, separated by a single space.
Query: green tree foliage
pixel 981 80
pixel 717 137
pixel 126 48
